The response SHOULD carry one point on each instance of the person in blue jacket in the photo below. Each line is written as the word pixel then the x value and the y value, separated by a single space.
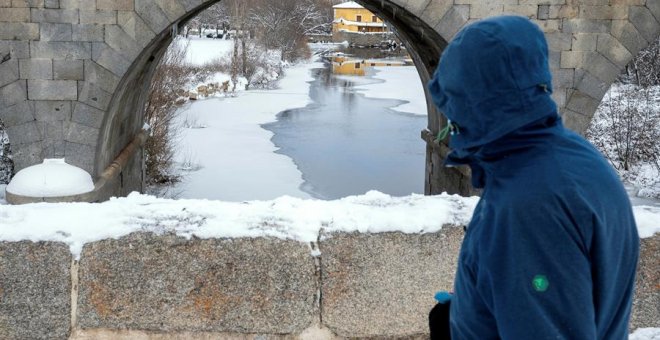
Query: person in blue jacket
pixel 552 248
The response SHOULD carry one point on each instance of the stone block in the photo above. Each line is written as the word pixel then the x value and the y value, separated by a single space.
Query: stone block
pixel 88 32
pixel 24 133
pixel 51 3
pixel 17 114
pixel 570 11
pixel 66 16
pixel 81 134
pixel 549 26
pixel 558 41
pixel 87 115
pixel 582 103
pixel 121 42
pixel 52 132
pixel 152 15
pixel 190 5
pixel 529 11
pixel 628 36
pixel 35 283
pixel 573 59
pixel 603 12
pixel 586 26
pixel 19 31
pixel 110 59
pixel 117 5
pixel 25 155
pixel 542 2
pixel 645 311
pixel 175 11
pixel 52 90
pixel 559 96
pixel 46 111
pixel 61 50
pixel 168 284
pixel 9 71
pixel 628 2
pixel 91 94
pixel 591 85
pixel 15 15
pixel 101 77
pixel 80 155
pixel 27 3
pixel 601 67
pixel 575 121
pixel 5 3
pixel 135 27
pixel 654 7
pixel 613 50
pixel 55 32
pixel 585 42
pixel 452 21
pixel 485 9
pixel 562 78
pixel 644 21
pixel 554 58
pixel 68 69
pixel 415 7
pixel 381 285
pixel 17 49
pixel 98 17
pixel 434 12
pixel 13 93
pixel 36 68
pixel 53 148
pixel 86 5
pixel 543 12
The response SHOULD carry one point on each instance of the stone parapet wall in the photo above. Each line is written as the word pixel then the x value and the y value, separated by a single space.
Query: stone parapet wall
pixel 145 286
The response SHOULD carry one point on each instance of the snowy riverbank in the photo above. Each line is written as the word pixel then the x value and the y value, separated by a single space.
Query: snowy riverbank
pixel 225 154
pixel 400 83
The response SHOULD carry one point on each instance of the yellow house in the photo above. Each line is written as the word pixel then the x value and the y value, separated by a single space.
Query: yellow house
pixel 352 17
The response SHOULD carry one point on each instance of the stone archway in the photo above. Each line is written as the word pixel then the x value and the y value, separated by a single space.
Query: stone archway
pixel 75 72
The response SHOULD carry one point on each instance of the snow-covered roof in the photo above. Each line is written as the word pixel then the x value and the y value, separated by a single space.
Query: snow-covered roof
pixel 359 23
pixel 350 4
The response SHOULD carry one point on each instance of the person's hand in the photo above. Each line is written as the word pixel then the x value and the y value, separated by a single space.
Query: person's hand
pixel 439 317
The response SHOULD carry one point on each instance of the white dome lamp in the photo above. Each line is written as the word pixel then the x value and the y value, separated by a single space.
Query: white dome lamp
pixel 51 181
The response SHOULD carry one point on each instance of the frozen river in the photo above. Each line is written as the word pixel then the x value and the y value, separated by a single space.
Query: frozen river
pixel 346 143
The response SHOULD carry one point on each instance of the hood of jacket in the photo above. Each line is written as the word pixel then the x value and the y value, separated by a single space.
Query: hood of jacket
pixel 493 79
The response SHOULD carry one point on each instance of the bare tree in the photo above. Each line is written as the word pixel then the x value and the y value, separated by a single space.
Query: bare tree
pixel 626 128
pixel 171 75
pixel 285 24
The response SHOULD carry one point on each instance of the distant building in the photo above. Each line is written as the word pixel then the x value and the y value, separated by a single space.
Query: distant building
pixel 352 17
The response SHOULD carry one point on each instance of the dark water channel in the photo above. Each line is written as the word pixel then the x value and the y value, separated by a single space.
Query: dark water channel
pixel 345 144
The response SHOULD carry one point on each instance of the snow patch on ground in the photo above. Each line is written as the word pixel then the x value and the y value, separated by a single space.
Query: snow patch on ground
pixel 202 51
pixel 648 220
pixel 286 217
pixel 400 82
pixel 225 153
pixel 646 334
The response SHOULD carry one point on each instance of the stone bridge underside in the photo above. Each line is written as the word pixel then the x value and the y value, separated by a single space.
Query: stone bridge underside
pixel 74 74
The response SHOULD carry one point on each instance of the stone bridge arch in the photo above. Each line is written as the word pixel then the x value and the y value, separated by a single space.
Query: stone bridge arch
pixel 74 73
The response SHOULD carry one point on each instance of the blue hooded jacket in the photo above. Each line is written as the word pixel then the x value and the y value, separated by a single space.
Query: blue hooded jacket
pixel 552 248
